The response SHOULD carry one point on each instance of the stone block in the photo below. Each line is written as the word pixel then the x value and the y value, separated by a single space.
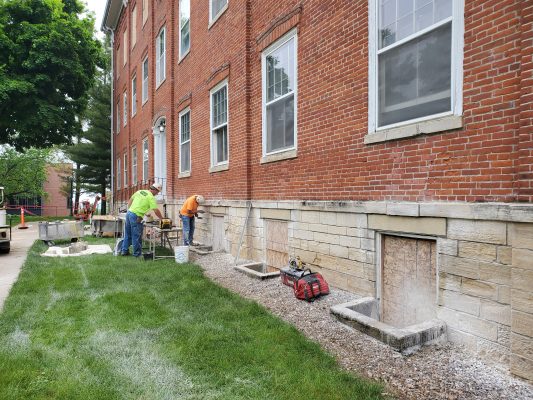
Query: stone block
pixel 446 210
pixel 469 323
pixel 338 251
pixel 301 234
pixel 450 282
pixel 312 217
pixel 496 312
pixel 493 351
pixel 278 214
pixel 504 294
pixel 477 231
pixel 368 244
pixel 357 255
pixel 328 217
pixel 522 345
pixel 350 241
pixel 403 208
pixel 336 230
pixel 325 238
pixel 504 255
pixel 522 300
pixel 356 232
pixel 334 278
pixel 351 220
pixel 459 302
pixel 497 273
pixel 447 246
pixel 423 226
pixel 522 367
pixel 478 288
pixel 477 251
pixel 522 279
pixel 522 323
pixel 361 286
pixel 466 339
pixel 318 228
pixel 522 258
pixel 521 235
pixel 459 266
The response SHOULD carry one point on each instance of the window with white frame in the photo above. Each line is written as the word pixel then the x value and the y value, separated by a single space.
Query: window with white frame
pixel 279 66
pixel 145 80
pixel 185 31
pixel 125 108
pixel 134 26
pixel 414 66
pixel 118 118
pixel 119 173
pixel 145 160
pixel 215 8
pixel 160 71
pixel 145 11
pixel 134 96
pixel 125 170
pixel 219 124
pixel 134 165
pixel 125 47
pixel 185 141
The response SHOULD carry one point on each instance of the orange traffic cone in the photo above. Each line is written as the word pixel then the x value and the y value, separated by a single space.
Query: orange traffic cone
pixel 22 224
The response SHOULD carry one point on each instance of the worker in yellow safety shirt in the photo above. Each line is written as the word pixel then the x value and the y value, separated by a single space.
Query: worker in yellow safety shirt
pixel 188 211
pixel 139 204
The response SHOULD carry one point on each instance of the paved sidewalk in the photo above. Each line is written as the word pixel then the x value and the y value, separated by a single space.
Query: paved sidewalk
pixel 10 264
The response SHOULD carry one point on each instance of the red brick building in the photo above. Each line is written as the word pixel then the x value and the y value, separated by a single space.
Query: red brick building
pixel 351 133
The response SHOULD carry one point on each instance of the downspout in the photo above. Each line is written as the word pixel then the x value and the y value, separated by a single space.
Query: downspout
pixel 112 42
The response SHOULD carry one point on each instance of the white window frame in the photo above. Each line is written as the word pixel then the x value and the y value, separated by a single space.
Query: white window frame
pixel 214 18
pixel 292 35
pixel 134 96
pixel 145 78
pixel 145 11
pixel 134 26
pixel 125 47
pixel 134 165
pixel 119 173
pixel 125 170
pixel 118 120
pixel 182 52
pixel 181 114
pixel 447 120
pixel 160 72
pixel 125 108
pixel 146 159
pixel 214 165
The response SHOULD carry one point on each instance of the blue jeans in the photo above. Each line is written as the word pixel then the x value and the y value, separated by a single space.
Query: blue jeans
pixel 132 235
pixel 188 229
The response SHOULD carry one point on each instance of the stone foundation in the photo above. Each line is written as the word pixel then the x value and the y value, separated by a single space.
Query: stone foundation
pixel 484 258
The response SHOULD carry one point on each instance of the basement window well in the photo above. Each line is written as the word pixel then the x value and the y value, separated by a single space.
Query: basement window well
pixel 404 313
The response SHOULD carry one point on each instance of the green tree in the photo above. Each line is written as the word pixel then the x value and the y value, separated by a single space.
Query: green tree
pixel 92 152
pixel 48 59
pixel 23 174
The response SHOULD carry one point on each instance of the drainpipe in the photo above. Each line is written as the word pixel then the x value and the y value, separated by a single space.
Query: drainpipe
pixel 112 42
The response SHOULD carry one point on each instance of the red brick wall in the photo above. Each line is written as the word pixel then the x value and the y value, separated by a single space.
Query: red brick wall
pixel 489 159
pixel 55 203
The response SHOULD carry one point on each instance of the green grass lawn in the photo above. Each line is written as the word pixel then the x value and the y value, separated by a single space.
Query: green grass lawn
pixel 105 327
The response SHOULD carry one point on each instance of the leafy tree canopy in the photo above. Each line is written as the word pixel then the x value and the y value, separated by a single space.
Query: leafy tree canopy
pixel 24 174
pixel 48 59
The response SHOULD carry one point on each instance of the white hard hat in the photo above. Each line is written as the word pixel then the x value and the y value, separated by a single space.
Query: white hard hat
pixel 156 186
pixel 200 199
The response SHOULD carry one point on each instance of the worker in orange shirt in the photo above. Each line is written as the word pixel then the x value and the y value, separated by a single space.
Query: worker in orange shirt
pixel 188 211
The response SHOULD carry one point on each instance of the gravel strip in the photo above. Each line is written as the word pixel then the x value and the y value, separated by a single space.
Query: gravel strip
pixel 434 372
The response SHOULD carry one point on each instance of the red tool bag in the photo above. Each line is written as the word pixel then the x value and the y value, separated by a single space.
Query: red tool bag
pixel 289 275
pixel 310 286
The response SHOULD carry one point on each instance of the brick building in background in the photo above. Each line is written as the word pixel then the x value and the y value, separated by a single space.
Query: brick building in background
pixel 388 143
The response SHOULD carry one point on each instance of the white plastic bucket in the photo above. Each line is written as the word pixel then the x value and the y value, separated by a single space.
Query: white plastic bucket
pixel 181 254
pixel 3 217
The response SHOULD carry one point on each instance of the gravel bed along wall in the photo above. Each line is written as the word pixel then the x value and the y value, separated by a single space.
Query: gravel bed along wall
pixel 434 372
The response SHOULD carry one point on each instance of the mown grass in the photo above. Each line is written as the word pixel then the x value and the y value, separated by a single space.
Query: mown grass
pixel 105 327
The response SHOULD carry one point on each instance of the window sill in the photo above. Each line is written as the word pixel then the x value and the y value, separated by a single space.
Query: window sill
pixel 160 83
pixel 285 155
pixel 216 18
pixel 419 128
pixel 183 56
pixel 184 174
pixel 218 168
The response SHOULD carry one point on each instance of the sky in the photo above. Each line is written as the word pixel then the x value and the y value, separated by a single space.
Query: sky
pixel 98 7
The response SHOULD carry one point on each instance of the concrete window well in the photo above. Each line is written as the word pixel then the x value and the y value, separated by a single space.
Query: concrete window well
pixel 404 313
pixel 276 245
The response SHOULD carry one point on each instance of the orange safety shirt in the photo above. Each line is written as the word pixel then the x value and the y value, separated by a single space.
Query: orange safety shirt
pixel 190 207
